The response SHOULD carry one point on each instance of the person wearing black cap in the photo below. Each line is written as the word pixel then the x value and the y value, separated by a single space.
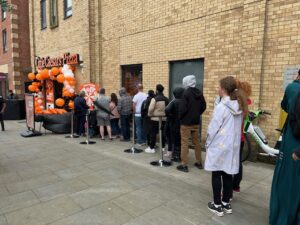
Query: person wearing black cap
pixel 2 108
pixel 156 110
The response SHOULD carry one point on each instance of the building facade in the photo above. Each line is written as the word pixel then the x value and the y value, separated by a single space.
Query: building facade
pixel 126 42
pixel 15 48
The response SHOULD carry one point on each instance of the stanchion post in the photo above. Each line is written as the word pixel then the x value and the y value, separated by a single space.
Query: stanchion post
pixel 72 135
pixel 87 141
pixel 161 162
pixel 133 149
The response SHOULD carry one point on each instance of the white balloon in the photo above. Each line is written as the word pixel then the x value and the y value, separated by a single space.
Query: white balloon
pixel 42 107
pixel 40 101
pixel 67 86
pixel 71 90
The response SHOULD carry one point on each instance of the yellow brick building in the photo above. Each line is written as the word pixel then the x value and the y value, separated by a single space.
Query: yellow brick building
pixel 254 40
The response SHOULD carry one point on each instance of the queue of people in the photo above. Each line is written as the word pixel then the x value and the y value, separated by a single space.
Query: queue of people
pixel 225 137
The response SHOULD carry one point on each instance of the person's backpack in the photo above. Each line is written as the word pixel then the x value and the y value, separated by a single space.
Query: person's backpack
pixel 294 119
pixel 144 109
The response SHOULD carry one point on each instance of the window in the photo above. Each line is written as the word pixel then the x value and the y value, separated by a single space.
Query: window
pixel 4 41
pixel 3 14
pixel 132 75
pixel 43 14
pixel 53 14
pixel 67 8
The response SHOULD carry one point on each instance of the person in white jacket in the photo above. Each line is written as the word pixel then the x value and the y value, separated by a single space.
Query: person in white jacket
pixel 223 143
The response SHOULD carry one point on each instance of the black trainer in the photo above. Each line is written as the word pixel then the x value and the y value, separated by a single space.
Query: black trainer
pixel 199 166
pixel 176 159
pixel 183 168
pixel 227 208
pixel 216 210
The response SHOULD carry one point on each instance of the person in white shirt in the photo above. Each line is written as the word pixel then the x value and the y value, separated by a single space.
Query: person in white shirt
pixel 138 100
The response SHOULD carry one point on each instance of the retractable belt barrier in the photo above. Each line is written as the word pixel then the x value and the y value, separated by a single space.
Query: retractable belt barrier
pixel 87 141
pixel 133 149
pixel 161 162
pixel 72 135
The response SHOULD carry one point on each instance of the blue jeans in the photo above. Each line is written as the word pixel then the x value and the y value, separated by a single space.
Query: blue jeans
pixel 125 126
pixel 141 136
pixel 115 129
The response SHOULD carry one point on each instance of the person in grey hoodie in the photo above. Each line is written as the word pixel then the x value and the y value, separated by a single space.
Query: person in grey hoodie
pixel 223 144
pixel 125 110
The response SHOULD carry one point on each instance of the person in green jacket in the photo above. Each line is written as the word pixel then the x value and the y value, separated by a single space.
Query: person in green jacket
pixel 285 195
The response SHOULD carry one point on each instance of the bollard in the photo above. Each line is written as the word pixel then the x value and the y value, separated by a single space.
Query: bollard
pixel 87 141
pixel 161 162
pixel 133 149
pixel 72 135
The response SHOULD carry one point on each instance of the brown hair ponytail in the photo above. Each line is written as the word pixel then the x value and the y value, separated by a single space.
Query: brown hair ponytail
pixel 229 84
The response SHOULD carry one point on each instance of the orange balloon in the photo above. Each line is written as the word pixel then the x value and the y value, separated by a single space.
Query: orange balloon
pixel 32 88
pixel 60 102
pixel 45 73
pixel 39 77
pixel 60 78
pixel 52 77
pixel 54 71
pixel 72 82
pixel 70 79
pixel 71 105
pixel 31 76
pixel 60 69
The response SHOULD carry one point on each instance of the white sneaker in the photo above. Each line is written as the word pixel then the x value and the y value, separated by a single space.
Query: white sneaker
pixel 149 150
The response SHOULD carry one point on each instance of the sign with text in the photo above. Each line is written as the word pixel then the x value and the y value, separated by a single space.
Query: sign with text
pixel 29 104
pixel 48 62
pixel 289 75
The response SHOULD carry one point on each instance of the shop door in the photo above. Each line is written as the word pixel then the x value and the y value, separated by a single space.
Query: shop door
pixel 180 69
pixel 132 75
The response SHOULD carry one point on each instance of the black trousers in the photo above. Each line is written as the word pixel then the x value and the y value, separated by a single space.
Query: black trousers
pixel 238 177
pixel 154 132
pixel 80 125
pixel 173 139
pixel 2 121
pixel 221 180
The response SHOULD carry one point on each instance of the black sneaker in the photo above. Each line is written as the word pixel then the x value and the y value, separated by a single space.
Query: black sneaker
pixel 199 166
pixel 183 168
pixel 176 159
pixel 216 210
pixel 227 208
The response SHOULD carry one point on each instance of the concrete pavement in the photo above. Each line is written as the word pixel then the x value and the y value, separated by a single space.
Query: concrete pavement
pixel 53 180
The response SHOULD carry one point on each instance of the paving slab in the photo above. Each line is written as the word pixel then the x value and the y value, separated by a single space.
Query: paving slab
pixel 43 213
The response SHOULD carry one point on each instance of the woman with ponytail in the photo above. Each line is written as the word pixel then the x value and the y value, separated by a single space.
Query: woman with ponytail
pixel 223 143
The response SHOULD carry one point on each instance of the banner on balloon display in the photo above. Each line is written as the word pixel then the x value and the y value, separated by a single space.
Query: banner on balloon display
pixel 91 91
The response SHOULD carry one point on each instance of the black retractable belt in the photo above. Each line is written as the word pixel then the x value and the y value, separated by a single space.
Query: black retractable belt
pixel 133 149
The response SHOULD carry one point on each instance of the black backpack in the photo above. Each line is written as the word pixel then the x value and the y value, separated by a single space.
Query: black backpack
pixel 294 119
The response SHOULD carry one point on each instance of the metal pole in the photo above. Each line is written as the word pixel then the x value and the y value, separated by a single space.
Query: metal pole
pixel 72 135
pixel 133 149
pixel 161 162
pixel 87 141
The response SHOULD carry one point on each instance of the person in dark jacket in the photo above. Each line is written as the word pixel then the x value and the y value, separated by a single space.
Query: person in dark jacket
pixel 2 108
pixel 173 126
pixel 146 119
pixel 191 108
pixel 125 110
pixel 81 109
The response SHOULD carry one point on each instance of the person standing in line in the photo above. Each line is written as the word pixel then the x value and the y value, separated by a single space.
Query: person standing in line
pixel 2 109
pixel 191 107
pixel 173 126
pixel 103 114
pixel 156 110
pixel 145 117
pixel 115 117
pixel 138 100
pixel 246 88
pixel 285 196
pixel 125 110
pixel 12 95
pixel 223 143
pixel 81 109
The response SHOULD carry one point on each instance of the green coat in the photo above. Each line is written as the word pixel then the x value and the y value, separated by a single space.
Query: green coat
pixel 285 194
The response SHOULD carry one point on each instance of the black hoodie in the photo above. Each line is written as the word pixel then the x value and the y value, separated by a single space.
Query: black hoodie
pixel 192 106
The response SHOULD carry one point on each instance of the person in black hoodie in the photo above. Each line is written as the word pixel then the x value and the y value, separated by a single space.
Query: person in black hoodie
pixel 81 109
pixel 145 117
pixel 173 126
pixel 191 108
